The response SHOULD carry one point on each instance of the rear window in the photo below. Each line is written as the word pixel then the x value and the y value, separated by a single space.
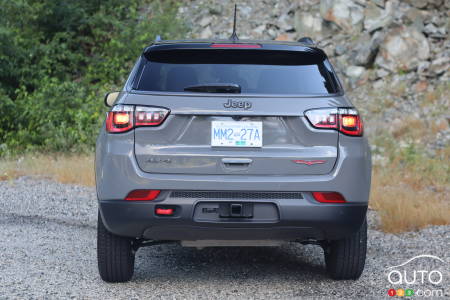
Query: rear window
pixel 255 71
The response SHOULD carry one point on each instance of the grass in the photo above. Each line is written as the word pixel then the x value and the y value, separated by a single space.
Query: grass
pixel 402 208
pixel 73 169
pixel 411 188
pixel 411 195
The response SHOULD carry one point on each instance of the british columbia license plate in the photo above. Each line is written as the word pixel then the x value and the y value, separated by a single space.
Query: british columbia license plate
pixel 236 134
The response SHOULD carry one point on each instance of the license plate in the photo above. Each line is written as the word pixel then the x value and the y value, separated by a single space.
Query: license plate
pixel 236 134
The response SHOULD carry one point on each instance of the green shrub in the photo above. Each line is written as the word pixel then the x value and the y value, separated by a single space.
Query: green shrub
pixel 59 58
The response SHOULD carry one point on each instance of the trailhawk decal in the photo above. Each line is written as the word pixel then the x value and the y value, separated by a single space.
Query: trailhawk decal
pixel 309 162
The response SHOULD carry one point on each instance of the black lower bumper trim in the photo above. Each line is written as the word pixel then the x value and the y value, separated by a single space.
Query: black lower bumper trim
pixel 298 220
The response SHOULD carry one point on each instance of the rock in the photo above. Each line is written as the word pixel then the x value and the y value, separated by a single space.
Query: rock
pixel 382 73
pixel 354 71
pixel 442 30
pixel 345 13
pixel 436 3
pixel 418 3
pixel 206 33
pixel 282 37
pixel 375 18
pixel 215 10
pixel 328 48
pixel 421 86
pixel 260 29
pixel 363 79
pixel 378 85
pixel 447 4
pixel 366 50
pixel 380 3
pixel 205 21
pixel 435 32
pixel 402 49
pixel 285 24
pixel 340 49
pixel 307 24
pixel 430 29
pixel 415 17
pixel 433 18
pixel 422 67
pixel 272 33
pixel 439 66
pixel 244 11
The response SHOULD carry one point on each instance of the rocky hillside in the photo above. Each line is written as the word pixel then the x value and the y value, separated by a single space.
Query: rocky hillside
pixel 393 56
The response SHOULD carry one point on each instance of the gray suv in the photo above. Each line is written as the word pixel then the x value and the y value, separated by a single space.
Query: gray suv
pixel 232 143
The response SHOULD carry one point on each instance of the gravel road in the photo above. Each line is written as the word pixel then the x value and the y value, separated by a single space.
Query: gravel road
pixel 48 250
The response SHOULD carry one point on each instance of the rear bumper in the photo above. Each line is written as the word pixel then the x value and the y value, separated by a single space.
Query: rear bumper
pixel 299 219
pixel 117 173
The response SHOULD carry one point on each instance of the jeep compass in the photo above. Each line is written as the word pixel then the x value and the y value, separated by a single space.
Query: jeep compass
pixel 232 143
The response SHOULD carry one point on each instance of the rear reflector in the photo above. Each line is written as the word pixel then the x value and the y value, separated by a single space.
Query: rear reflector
pixel 328 197
pixel 164 211
pixel 142 195
pixel 245 46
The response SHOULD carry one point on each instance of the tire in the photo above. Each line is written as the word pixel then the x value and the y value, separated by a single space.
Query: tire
pixel 345 258
pixel 115 255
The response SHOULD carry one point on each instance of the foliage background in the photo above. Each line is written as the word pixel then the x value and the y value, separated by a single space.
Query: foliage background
pixel 59 58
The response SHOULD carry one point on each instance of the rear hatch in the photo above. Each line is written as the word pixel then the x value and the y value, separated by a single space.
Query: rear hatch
pixel 260 130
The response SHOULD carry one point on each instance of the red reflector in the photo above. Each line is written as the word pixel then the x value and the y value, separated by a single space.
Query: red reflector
pixel 247 46
pixel 328 197
pixel 164 211
pixel 142 195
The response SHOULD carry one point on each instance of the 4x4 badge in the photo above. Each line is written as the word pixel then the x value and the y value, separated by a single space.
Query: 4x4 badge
pixel 238 104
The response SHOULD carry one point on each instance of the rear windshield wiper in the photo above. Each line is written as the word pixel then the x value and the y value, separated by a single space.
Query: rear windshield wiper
pixel 215 88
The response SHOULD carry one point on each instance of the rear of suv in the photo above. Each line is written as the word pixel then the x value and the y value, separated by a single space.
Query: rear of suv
pixel 232 143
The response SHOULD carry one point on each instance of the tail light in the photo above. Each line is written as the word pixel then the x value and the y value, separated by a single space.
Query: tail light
pixel 328 197
pixel 142 195
pixel 120 119
pixel 150 116
pixel 345 120
pixel 123 118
